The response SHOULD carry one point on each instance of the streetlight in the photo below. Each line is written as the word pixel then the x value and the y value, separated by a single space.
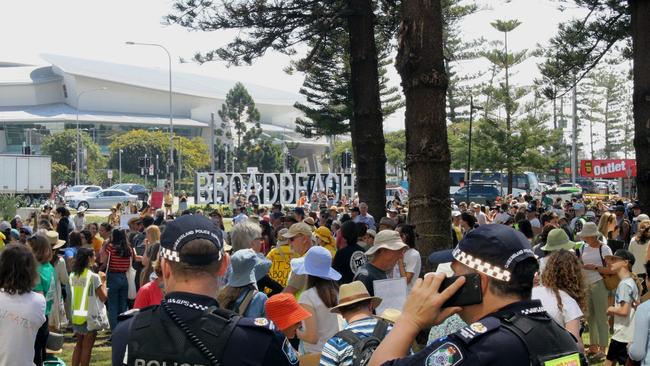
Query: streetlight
pixel 119 162
pixel 171 120
pixel 472 107
pixel 77 175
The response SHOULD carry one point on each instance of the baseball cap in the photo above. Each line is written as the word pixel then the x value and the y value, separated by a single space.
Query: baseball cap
pixel 624 255
pixel 298 228
pixel 493 250
pixel 184 229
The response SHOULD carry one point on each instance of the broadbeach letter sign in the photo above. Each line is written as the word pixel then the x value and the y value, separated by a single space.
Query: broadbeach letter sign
pixel 612 168
pixel 270 187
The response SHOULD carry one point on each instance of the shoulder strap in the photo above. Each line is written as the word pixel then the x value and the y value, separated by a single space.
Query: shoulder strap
pixel 246 301
pixel 380 329
pixel 348 336
pixel 600 251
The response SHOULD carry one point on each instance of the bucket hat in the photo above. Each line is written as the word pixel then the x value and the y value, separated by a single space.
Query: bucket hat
pixel 589 229
pixel 316 262
pixel 352 293
pixel 246 267
pixel 558 239
pixel 284 311
pixel 324 234
pixel 386 239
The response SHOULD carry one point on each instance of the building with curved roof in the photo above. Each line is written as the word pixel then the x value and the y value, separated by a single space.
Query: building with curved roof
pixel 36 101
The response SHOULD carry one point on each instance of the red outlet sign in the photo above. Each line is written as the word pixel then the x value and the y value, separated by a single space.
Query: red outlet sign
pixel 612 168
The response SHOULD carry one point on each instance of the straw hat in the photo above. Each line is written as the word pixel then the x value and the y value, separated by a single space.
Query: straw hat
pixel 283 310
pixel 558 239
pixel 391 315
pixel 53 238
pixel 387 239
pixel 352 293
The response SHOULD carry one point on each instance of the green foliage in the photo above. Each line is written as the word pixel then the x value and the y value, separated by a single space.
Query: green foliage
pixel 8 204
pixel 62 146
pixel 136 143
pixel 396 148
pixel 61 173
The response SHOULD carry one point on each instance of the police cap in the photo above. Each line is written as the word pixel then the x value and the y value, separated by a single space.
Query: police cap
pixel 490 249
pixel 185 229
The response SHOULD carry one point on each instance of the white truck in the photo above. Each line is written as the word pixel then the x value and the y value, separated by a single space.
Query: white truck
pixel 26 176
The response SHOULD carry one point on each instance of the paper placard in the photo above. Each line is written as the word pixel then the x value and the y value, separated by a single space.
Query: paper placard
pixel 124 220
pixel 392 291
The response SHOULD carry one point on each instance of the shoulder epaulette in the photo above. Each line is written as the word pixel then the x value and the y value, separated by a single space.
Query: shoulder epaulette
pixel 477 329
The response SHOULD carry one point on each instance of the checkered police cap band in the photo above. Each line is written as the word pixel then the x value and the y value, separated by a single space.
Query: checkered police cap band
pixel 481 266
pixel 174 256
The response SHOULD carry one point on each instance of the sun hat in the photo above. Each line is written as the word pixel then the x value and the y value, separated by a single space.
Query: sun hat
pixel 388 222
pixel 54 343
pixel 589 229
pixel 316 262
pixel 493 250
pixel 183 230
pixel 642 217
pixel 284 311
pixel 371 232
pixel 309 221
pixel 389 314
pixel 282 239
pixel 352 293
pixel 624 255
pixel 387 239
pixel 247 266
pixel 53 238
pixel 558 239
pixel 325 235
pixel 81 209
pixel 298 228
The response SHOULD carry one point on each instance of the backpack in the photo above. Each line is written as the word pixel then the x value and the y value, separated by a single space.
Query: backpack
pixel 363 348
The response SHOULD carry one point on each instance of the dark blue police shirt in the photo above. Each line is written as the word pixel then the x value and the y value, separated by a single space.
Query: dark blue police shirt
pixel 248 333
pixel 482 343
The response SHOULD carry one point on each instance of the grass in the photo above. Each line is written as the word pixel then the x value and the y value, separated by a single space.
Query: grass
pixel 101 355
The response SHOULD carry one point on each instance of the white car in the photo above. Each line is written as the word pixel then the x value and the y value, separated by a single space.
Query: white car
pixel 82 190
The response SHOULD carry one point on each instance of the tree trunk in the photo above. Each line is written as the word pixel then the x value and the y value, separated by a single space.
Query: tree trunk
pixel 640 10
pixel 420 64
pixel 367 129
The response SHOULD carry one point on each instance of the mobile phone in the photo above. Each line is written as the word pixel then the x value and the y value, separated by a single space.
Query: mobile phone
pixel 469 294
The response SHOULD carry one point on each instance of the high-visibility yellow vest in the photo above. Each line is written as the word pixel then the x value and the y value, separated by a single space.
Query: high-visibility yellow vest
pixel 80 296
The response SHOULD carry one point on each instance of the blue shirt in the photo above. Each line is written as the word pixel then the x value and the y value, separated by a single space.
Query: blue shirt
pixel 255 307
pixel 638 350
pixel 367 219
pixel 339 352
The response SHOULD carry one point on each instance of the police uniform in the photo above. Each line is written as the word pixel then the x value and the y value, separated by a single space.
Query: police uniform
pixel 190 329
pixel 520 333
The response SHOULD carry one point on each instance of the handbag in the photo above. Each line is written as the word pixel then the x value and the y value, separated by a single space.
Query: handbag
pixel 611 280
pixel 97 318
pixel 130 278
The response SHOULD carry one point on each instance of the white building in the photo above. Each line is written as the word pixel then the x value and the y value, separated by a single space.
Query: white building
pixel 36 101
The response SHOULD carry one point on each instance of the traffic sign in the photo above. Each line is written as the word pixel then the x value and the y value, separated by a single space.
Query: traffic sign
pixel 109 174
pixel 151 169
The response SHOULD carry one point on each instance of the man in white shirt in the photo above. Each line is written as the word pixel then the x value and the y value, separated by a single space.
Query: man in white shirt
pixel 241 216
pixel 481 218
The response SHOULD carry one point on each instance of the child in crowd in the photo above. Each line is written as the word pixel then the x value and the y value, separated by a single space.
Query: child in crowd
pixel 285 312
pixel 626 299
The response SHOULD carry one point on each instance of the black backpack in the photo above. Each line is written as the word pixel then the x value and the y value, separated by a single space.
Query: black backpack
pixel 364 347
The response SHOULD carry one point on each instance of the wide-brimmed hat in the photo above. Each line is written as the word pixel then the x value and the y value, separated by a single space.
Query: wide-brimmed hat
pixel 284 310
pixel 352 293
pixel 53 238
pixel 316 262
pixel 309 221
pixel 390 315
pixel 282 240
pixel 325 235
pixel 558 239
pixel 54 343
pixel 81 209
pixel 387 239
pixel 247 266
pixel 589 229
pixel 642 217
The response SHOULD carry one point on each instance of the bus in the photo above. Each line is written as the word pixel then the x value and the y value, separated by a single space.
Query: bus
pixel 526 181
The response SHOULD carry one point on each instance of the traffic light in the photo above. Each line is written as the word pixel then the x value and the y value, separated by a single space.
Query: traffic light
pixel 141 162
pixel 73 165
pixel 289 161
pixel 221 161
pixel 346 160
pixel 27 150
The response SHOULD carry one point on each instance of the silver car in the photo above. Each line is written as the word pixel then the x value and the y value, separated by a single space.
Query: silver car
pixel 105 198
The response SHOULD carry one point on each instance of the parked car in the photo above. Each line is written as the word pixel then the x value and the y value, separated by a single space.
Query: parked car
pixel 570 187
pixel 479 192
pixel 106 198
pixel 136 189
pixel 82 190
pixel 602 186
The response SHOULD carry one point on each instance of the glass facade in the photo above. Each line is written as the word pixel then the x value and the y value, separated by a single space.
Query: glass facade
pixel 19 134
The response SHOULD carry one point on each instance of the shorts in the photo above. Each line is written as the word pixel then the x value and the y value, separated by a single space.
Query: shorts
pixel 617 351
pixel 168 205
pixel 80 328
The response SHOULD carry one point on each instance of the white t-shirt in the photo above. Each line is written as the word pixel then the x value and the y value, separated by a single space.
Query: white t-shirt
pixel 639 251
pixel 413 264
pixel 591 255
pixel 20 317
pixel 327 323
pixel 481 218
pixel 570 308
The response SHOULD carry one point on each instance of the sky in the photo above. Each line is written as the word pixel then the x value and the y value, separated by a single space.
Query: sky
pixel 99 29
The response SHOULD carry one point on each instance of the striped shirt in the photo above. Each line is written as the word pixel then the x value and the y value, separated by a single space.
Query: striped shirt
pixel 117 263
pixel 338 352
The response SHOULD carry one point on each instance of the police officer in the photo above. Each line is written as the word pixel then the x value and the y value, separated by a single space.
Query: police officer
pixel 505 328
pixel 188 328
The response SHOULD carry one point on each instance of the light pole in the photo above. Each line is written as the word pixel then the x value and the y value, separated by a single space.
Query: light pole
pixel 171 119
pixel 77 176
pixel 472 107
pixel 119 162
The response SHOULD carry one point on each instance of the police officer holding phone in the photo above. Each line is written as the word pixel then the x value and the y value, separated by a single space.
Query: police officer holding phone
pixel 189 328
pixel 505 328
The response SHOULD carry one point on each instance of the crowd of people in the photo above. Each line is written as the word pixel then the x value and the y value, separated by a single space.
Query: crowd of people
pixel 298 284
